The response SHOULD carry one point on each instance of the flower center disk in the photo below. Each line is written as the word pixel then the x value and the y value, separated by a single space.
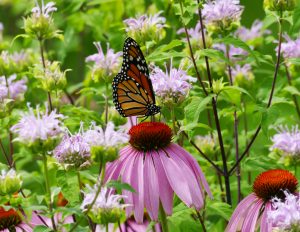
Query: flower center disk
pixel 150 136
pixel 272 183
pixel 8 219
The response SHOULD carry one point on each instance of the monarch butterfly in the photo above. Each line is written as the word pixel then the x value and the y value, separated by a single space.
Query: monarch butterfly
pixel 133 93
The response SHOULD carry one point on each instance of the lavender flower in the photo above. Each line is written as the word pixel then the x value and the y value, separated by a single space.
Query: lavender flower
pixel 1 27
pixel 222 14
pixel 235 53
pixel 285 215
pixel 291 48
pixel 287 141
pixel 252 35
pixel 173 85
pixel 38 126
pixel 105 65
pixel 242 74
pixel 43 10
pixel 73 150
pixel 15 90
pixel 107 207
pixel 145 27
pixel 109 137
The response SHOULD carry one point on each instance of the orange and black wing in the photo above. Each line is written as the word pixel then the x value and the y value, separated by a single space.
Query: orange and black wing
pixel 132 88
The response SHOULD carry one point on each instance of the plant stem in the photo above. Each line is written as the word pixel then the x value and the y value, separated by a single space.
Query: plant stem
pixel 96 196
pixel 106 227
pixel 236 132
pixel 163 219
pixel 270 97
pixel 48 190
pixel 173 120
pixel 202 153
pixel 201 221
pixel 5 154
pixel 106 103
pixel 215 112
pixel 246 133
pixel 44 67
pixel 288 76
pixel 192 54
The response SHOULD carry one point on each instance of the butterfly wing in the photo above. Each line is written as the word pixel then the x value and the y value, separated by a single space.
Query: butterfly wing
pixel 132 88
pixel 130 98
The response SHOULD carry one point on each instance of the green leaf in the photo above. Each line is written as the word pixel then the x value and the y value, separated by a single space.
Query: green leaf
pixel 213 54
pixel 292 90
pixel 195 107
pixel 120 186
pixel 269 117
pixel 222 209
pixel 229 40
pixel 41 229
pixel 68 181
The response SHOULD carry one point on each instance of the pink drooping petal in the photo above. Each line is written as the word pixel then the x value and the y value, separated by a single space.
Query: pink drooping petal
pixel 151 187
pixel 265 226
pixel 165 189
pixel 194 164
pixel 177 178
pixel 239 213
pixel 125 173
pixel 137 180
pixel 252 216
pixel 191 179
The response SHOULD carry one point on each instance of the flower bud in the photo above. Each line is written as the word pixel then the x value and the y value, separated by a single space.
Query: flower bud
pixel 10 182
pixel 280 5
pixel 52 78
pixel 217 86
pixel 105 216
pixel 6 106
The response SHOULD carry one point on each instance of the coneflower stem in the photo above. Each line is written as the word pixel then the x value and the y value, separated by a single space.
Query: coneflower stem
pixel 216 117
pixel 48 190
pixel 288 76
pixel 201 221
pixel 270 97
pixel 236 132
pixel 44 68
pixel 163 219
pixel 173 120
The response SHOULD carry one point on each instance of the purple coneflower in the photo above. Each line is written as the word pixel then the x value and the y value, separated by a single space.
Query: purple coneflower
pixel 291 48
pixel 222 13
pixel 73 150
pixel 173 85
pixel 252 212
pixel 156 168
pixel 285 215
pixel 109 137
pixel 10 220
pixel 40 126
pixel 287 141
pixel 255 32
pixel 105 65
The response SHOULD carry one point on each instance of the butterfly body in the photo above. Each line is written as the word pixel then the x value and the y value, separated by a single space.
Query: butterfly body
pixel 133 93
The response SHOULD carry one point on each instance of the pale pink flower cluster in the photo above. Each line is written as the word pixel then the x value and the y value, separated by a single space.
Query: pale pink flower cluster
pixel 290 48
pixel 287 141
pixel 222 10
pixel 43 10
pixel 38 125
pixel 16 88
pixel 97 136
pixel 285 214
pixel 173 84
pixel 144 22
pixel 256 31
